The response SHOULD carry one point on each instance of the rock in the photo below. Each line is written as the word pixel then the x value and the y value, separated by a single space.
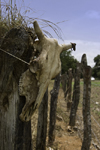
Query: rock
pixel 59 118
pixel 97 103
pixel 69 129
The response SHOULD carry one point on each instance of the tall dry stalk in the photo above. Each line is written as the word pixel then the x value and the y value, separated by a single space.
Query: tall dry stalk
pixel 0 10
pixel 11 12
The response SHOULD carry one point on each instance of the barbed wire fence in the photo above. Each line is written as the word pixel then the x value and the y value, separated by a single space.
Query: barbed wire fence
pixel 93 123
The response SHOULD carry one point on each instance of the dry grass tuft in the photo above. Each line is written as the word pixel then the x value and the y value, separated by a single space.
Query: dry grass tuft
pixel 11 16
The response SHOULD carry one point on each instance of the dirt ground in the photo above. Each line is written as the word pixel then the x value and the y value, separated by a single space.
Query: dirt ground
pixel 65 140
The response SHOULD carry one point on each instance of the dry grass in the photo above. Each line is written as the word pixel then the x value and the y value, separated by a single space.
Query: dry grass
pixel 12 16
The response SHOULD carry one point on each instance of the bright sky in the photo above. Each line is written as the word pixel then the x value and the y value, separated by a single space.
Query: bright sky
pixel 82 25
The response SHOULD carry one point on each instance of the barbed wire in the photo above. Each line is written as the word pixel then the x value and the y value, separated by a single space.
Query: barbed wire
pixel 14 56
pixel 95 121
pixel 93 146
pixel 95 136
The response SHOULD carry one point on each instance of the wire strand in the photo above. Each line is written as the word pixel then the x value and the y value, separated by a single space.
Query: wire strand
pixel 14 56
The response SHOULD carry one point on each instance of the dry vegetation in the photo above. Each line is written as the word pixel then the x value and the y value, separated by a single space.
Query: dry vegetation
pixel 11 16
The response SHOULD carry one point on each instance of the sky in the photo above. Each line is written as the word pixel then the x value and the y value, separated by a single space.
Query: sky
pixel 81 26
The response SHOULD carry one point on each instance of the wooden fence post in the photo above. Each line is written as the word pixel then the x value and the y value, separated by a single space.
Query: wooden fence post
pixel 76 96
pixel 14 134
pixel 69 89
pixel 64 83
pixel 83 62
pixel 86 70
pixel 86 108
pixel 42 123
pixel 53 106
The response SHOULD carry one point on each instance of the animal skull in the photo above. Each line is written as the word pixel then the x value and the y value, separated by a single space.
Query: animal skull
pixel 41 70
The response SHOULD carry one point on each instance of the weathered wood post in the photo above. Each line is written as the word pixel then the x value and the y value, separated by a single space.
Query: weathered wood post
pixel 86 70
pixel 69 91
pixel 76 96
pixel 53 106
pixel 83 62
pixel 42 123
pixel 86 108
pixel 14 134
pixel 64 83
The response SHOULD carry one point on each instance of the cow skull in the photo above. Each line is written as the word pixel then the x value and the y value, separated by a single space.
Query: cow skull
pixel 41 70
